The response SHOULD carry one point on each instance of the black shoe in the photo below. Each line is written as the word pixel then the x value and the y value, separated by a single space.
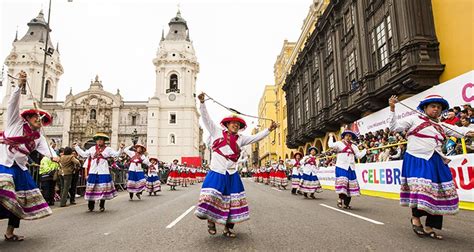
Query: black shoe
pixel 73 203
pixel 102 209
pixel 138 196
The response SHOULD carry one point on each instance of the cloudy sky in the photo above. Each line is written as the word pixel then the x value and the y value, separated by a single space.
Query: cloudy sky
pixel 236 43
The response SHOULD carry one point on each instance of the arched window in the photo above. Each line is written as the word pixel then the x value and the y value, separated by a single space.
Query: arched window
pixel 172 139
pixel 47 89
pixel 93 114
pixel 173 87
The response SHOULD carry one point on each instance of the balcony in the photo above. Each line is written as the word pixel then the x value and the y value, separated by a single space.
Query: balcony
pixel 172 90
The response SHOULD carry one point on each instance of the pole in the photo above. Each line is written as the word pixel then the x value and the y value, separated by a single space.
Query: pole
pixel 45 57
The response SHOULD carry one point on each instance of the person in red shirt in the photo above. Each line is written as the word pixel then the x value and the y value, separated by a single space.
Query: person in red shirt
pixel 451 118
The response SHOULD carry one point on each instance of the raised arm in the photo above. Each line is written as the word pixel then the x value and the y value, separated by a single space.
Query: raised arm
pixel 394 124
pixel 210 125
pixel 109 152
pixel 128 151
pixel 246 140
pixel 82 153
pixel 13 109
pixel 331 143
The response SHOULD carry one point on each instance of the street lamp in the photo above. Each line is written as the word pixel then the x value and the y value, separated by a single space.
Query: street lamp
pixel 134 136
pixel 47 52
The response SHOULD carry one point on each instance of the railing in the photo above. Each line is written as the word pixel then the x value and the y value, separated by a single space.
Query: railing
pixel 370 149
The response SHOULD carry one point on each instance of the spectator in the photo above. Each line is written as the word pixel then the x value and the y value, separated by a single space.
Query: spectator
pixel 466 123
pixel 68 165
pixel 457 111
pixel 48 168
pixel 451 118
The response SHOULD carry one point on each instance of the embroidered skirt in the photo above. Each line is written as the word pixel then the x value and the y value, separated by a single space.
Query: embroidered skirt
pixel 20 195
pixel 223 199
pixel 346 182
pixel 428 185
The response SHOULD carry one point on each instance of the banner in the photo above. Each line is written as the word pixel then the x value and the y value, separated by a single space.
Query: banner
pixel 386 176
pixel 457 92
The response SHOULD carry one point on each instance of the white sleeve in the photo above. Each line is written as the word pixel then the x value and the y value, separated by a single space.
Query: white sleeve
pixel 331 143
pixel 399 126
pixel 358 154
pixel 129 152
pixel 453 130
pixel 206 119
pixel 82 153
pixel 109 152
pixel 45 149
pixel 146 161
pixel 13 109
pixel 246 140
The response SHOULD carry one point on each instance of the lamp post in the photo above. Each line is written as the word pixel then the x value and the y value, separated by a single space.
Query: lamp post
pixel 47 52
pixel 134 136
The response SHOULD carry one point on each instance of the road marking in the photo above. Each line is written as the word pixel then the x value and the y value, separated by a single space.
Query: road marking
pixel 180 217
pixel 353 215
pixel 277 189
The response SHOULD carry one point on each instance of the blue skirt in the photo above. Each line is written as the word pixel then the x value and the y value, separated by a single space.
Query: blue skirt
pixel 223 199
pixel 346 182
pixel 20 195
pixel 100 187
pixel 152 178
pixel 136 182
pixel 428 185
pixel 310 184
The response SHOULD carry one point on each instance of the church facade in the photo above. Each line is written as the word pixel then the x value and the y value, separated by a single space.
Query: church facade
pixel 167 123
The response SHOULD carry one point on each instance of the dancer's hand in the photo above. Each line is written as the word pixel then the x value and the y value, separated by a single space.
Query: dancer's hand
pixel 391 102
pixel 273 126
pixel 202 97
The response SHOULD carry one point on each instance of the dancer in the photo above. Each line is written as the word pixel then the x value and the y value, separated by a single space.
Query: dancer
pixel 346 179
pixel 311 182
pixel 427 186
pixel 295 173
pixel 173 176
pixel 136 182
pixel 20 197
pixel 280 175
pixel 99 182
pixel 153 184
pixel 222 199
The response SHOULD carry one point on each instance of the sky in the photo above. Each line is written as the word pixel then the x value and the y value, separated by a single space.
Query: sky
pixel 236 43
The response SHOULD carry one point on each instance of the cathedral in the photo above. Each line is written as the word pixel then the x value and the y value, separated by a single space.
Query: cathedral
pixel 167 123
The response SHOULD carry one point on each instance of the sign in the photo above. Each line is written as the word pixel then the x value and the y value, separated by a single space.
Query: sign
pixel 457 92
pixel 386 176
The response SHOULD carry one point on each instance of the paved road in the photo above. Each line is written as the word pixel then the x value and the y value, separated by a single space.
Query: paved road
pixel 279 222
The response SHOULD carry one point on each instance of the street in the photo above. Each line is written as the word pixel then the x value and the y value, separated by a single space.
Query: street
pixel 279 222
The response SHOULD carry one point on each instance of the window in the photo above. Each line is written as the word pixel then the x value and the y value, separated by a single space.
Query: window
pixel 306 77
pixel 389 32
pixel 381 44
pixel 332 91
pixel 134 120
pixel 172 139
pixel 351 70
pixel 47 89
pixel 173 84
pixel 298 116
pixel 284 112
pixel 318 99
pixel 329 45
pixel 306 109
pixel 349 18
pixel 297 88
pixel 172 118
pixel 316 61
pixel 93 114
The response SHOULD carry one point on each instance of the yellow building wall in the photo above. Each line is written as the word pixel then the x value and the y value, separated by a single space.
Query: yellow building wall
pixel 454 25
pixel 267 109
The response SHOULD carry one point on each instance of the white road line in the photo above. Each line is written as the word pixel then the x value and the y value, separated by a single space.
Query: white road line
pixel 277 189
pixel 180 217
pixel 353 215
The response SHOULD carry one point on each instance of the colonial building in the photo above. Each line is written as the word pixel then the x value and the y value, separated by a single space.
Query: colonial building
pixel 283 64
pixel 360 53
pixel 267 109
pixel 167 123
